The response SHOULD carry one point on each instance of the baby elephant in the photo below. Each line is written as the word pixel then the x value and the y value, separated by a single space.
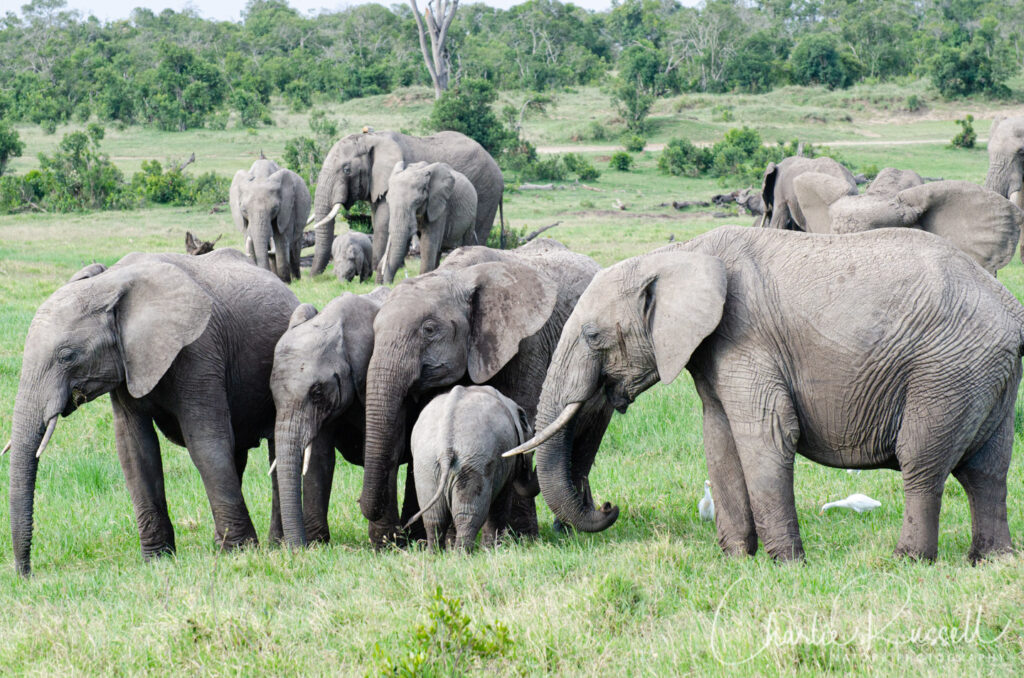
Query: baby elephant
pixel 456 449
pixel 353 253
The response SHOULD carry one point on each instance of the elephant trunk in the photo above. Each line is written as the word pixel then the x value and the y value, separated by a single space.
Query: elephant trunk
pixel 330 192
pixel 1005 177
pixel 565 389
pixel 260 231
pixel 399 234
pixel 290 436
pixel 387 385
pixel 31 427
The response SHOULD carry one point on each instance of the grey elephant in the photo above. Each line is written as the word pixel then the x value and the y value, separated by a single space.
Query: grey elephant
pixel 352 252
pixel 485 316
pixel 270 205
pixel 182 342
pixel 434 202
pixel 358 168
pixel 781 209
pixel 456 451
pixel 886 349
pixel 319 387
pixel 1006 158
pixel 980 222
pixel 890 181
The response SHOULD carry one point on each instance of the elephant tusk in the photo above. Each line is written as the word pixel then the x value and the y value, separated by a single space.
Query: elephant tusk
pixel 306 454
pixel 273 465
pixel 554 427
pixel 46 437
pixel 312 216
pixel 249 250
pixel 6 447
pixel 330 215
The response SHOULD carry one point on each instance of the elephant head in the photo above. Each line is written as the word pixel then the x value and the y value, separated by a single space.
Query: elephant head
pixel 319 377
pixel 268 204
pixel 356 168
pixel 891 181
pixel 1006 158
pixel 417 193
pixel 978 221
pixel 433 331
pixel 101 330
pixel 781 208
pixel 637 323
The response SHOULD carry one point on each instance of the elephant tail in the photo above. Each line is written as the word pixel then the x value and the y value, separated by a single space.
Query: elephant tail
pixel 442 482
pixel 501 222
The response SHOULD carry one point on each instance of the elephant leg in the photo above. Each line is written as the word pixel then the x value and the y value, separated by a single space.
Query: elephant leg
pixel 496 524
pixel 585 444
pixel 381 230
pixel 282 261
pixel 276 535
pixel 386 531
pixel 469 514
pixel 781 216
pixel 316 489
pixel 295 254
pixel 411 506
pixel 734 520
pixel 138 450
pixel 430 251
pixel 983 477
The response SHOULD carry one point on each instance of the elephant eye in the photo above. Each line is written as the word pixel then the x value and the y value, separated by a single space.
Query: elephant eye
pixel 66 356
pixel 591 336
pixel 346 169
pixel 429 329
pixel 318 393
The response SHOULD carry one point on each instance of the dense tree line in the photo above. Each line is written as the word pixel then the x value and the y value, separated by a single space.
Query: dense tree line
pixel 175 70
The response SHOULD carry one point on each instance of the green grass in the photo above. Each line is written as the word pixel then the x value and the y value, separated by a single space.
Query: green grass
pixel 653 595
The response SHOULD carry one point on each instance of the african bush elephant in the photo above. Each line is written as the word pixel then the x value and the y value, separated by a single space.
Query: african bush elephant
pixel 1006 158
pixel 269 203
pixel 980 222
pixel 885 349
pixel 485 316
pixel 436 203
pixel 890 181
pixel 352 253
pixel 358 168
pixel 319 386
pixel 456 450
pixel 182 342
pixel 781 209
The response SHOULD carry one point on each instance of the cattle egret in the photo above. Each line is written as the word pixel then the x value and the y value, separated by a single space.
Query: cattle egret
pixel 706 507
pixel 861 503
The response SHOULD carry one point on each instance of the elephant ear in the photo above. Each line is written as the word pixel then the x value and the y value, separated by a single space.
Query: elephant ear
pixel 771 174
pixel 158 310
pixel 385 154
pixel 995 123
pixel 815 193
pixel 440 191
pixel 286 190
pixel 509 302
pixel 683 298
pixel 90 271
pixel 301 314
pixel 235 198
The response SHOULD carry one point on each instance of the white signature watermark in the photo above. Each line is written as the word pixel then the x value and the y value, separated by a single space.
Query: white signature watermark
pixel 846 626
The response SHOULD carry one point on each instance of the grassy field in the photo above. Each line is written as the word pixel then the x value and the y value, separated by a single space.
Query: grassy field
pixel 651 596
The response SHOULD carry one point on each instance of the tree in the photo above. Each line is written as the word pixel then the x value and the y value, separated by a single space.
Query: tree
pixel 438 60
pixel 818 60
pixel 467 109
pixel 10 145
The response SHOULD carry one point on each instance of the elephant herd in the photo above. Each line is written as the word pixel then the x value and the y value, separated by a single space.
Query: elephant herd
pixel 881 348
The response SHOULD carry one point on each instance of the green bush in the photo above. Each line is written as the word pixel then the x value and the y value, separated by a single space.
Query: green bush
pixel 512 237
pixel 962 71
pixel 596 131
pixel 580 166
pixel 914 103
pixel 621 161
pixel 681 157
pixel 467 109
pixel 634 143
pixel 11 145
pixel 818 60
pixel 305 155
pixel 966 137
pixel 522 161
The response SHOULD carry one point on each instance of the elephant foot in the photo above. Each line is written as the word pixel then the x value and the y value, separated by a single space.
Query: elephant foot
pixel 522 520
pixel 152 552
pixel 977 554
pixel 230 543
pixel 385 535
pixel 911 553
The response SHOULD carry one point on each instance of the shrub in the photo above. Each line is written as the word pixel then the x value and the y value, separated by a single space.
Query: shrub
pixel 251 111
pixel 522 160
pixel 299 95
pixel 580 166
pixel 962 71
pixel 914 103
pixel 634 143
pixel 11 145
pixel 512 237
pixel 467 108
pixel 681 157
pixel 596 131
pixel 77 176
pixel 966 137
pixel 817 60
pixel 634 105
pixel 305 155
pixel 621 161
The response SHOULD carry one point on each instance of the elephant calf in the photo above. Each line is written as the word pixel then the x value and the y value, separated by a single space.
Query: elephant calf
pixel 352 252
pixel 456 450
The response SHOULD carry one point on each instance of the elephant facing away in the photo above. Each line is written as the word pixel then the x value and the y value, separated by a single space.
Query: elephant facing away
pixel 319 387
pixel 352 253
pixel 182 342
pixel 436 203
pixel 981 223
pixel 269 205
pixel 485 316
pixel 456 450
pixel 1006 158
pixel 358 168
pixel 781 208
pixel 891 181
pixel 886 349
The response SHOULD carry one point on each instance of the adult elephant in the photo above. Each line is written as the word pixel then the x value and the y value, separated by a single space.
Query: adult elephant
pixel 319 386
pixel 980 222
pixel 182 342
pixel 886 349
pixel 358 168
pixel 891 181
pixel 269 205
pixel 781 209
pixel 1006 158
pixel 485 317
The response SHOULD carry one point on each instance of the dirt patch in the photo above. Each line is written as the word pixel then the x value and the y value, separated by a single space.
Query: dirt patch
pixel 681 216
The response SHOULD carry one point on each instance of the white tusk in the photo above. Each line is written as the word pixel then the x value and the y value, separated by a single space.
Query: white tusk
pixel 312 216
pixel 6 447
pixel 554 427
pixel 272 467
pixel 330 215
pixel 46 437
pixel 305 458
pixel 248 247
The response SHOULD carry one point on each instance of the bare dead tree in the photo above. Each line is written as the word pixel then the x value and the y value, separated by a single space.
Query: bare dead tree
pixel 435 24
